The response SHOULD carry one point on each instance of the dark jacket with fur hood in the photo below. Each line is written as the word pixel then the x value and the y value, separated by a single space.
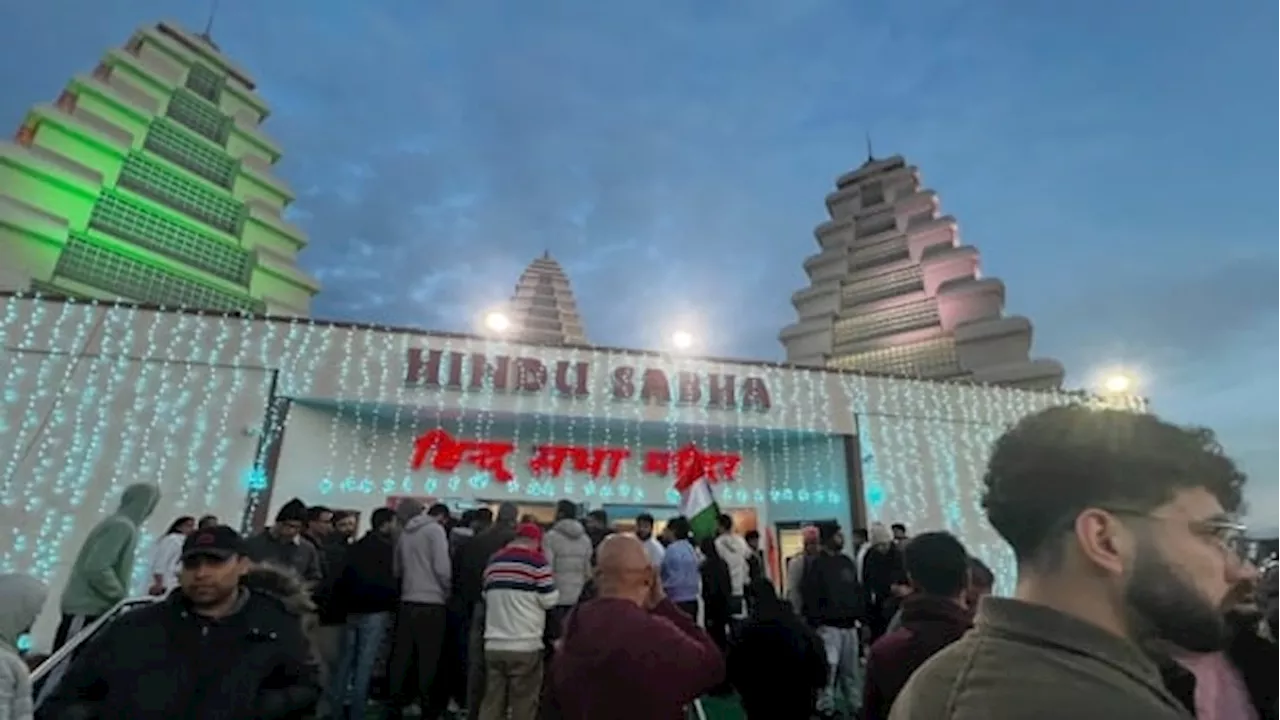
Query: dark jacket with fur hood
pixel 165 661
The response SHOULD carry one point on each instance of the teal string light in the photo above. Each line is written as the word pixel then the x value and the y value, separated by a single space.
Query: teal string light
pixel 179 399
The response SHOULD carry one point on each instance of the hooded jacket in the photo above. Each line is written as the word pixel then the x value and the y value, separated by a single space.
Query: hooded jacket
pixel 103 570
pixel 568 549
pixel 21 599
pixel 422 562
pixel 929 624
pixel 164 661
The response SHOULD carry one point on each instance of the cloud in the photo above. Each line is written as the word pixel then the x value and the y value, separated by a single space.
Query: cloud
pixel 1180 323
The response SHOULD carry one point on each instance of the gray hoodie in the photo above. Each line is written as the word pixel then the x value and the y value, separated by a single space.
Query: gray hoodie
pixel 21 599
pixel 422 562
pixel 103 570
pixel 568 550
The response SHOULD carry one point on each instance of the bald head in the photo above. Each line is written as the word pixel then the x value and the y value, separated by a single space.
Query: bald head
pixel 622 568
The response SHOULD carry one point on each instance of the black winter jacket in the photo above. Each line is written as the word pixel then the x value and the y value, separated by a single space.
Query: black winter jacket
pixel 368 583
pixel 473 558
pixel 829 591
pixel 164 662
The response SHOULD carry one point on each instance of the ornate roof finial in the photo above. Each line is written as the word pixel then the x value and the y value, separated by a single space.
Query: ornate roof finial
pixel 870 156
pixel 207 35
pixel 546 254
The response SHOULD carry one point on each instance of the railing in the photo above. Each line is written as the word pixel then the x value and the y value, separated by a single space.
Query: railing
pixel 46 677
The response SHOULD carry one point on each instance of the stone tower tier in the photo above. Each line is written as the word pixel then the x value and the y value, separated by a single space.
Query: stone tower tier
pixel 149 180
pixel 893 290
pixel 543 310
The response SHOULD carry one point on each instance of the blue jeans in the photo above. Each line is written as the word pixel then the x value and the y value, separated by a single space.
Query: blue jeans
pixel 361 640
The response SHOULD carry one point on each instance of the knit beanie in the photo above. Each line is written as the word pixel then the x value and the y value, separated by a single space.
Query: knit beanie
pixel 879 534
pixel 293 511
pixel 529 531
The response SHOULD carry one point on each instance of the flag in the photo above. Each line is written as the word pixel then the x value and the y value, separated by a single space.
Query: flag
pixel 697 503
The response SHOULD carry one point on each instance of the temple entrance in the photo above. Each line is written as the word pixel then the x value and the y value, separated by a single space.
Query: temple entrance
pixel 623 517
pixel 542 513
pixel 790 542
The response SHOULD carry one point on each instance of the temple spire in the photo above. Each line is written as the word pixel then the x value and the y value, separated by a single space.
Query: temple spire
pixel 543 310
pixel 207 35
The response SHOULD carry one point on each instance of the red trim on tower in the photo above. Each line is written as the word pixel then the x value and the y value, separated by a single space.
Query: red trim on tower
pixel 26 134
pixel 66 102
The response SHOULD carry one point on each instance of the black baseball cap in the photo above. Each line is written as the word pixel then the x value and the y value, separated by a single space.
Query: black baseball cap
pixel 219 542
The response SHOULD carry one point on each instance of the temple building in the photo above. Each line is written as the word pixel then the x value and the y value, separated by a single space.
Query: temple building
pixel 893 290
pixel 543 310
pixel 149 181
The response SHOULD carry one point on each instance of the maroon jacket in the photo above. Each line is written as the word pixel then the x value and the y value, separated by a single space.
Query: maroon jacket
pixel 621 662
pixel 928 625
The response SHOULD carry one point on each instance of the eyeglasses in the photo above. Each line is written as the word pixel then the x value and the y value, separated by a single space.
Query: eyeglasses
pixel 1224 532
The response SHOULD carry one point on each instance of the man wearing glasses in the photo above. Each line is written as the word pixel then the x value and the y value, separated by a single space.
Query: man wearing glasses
pixel 1123 530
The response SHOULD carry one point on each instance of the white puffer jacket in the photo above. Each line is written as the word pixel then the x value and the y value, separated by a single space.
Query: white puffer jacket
pixel 568 550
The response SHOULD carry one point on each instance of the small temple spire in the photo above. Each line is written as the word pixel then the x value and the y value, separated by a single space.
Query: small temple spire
pixel 207 35
pixel 542 309
pixel 870 156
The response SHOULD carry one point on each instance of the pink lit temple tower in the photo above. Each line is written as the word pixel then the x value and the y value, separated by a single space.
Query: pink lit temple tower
pixel 893 290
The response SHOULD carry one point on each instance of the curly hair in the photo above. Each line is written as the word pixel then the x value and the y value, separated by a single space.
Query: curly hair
pixel 1058 462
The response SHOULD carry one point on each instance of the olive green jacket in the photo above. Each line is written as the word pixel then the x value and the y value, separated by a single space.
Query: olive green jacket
pixel 1029 662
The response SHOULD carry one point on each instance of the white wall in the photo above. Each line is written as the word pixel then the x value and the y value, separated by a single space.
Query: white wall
pixel 76 429
pixel 923 460
pixel 134 395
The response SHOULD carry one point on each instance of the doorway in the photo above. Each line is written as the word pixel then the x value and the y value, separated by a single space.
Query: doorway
pixel 790 542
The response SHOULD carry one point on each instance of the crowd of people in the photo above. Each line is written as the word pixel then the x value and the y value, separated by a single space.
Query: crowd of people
pixel 1132 601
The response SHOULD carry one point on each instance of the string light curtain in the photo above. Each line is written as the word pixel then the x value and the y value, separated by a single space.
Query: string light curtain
pixel 96 396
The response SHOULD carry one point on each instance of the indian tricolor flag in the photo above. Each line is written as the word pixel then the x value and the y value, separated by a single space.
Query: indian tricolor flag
pixel 696 501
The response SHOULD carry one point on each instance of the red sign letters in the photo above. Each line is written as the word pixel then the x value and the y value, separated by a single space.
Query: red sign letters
pixel 689 464
pixel 500 373
pixel 447 454
pixel 551 459
pixel 444 453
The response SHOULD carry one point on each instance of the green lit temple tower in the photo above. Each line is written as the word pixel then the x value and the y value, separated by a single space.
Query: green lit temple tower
pixel 149 180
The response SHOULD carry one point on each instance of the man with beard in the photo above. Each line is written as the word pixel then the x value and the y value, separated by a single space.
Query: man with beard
pixel 1122 529
pixel 652 548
